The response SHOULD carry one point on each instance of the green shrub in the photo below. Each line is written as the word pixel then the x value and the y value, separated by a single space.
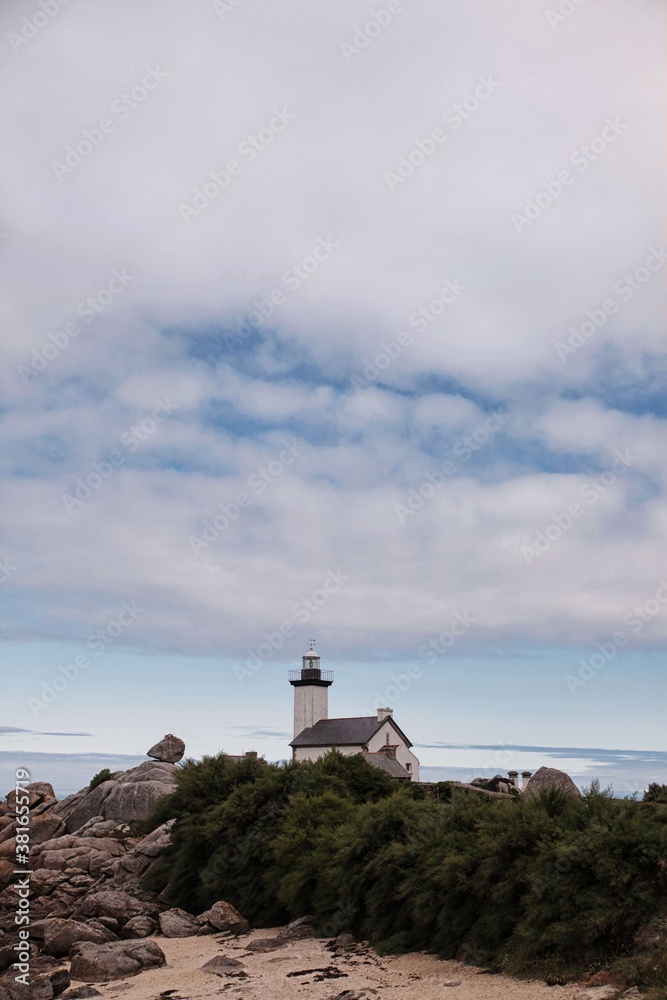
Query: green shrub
pixel 655 793
pixel 552 887
pixel 101 776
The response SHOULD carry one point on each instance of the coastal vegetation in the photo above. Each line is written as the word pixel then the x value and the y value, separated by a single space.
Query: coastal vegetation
pixel 99 778
pixel 553 887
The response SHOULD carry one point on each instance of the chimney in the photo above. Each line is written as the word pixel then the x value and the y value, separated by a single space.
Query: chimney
pixel 385 713
pixel 514 778
pixel 526 775
pixel 389 750
pixel 251 753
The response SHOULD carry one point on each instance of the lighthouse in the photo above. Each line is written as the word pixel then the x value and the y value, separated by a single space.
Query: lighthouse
pixel 378 738
pixel 311 691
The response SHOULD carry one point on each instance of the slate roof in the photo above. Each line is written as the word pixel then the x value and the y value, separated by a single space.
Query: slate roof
pixel 338 732
pixel 343 732
pixel 388 764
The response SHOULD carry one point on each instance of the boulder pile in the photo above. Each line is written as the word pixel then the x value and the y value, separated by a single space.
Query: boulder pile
pixel 90 919
pixel 499 786
pixel 496 784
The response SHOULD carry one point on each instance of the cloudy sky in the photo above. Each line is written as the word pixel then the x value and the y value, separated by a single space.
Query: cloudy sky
pixel 335 320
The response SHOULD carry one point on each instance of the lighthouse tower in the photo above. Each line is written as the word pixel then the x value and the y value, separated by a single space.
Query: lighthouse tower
pixel 311 691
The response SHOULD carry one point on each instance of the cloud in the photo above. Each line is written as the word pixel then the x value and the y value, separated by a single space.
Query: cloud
pixel 251 732
pixel 9 730
pixel 254 337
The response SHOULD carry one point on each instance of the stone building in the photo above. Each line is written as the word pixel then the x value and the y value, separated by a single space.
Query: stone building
pixel 377 738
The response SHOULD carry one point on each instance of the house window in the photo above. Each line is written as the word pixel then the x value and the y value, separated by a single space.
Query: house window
pixel 408 767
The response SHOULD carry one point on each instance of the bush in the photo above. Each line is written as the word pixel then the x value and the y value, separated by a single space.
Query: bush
pixel 101 776
pixel 550 887
pixel 655 793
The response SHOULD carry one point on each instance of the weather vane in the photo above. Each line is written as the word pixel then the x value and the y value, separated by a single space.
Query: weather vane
pixel 311 645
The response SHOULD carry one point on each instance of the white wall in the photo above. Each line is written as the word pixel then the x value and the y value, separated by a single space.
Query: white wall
pixel 311 703
pixel 314 753
pixel 403 754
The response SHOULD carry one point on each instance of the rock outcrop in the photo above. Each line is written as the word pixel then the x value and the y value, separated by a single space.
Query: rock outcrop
pixel 222 917
pixel 41 798
pixel 298 929
pixel 470 787
pixel 60 935
pixel 222 966
pixel 178 923
pixel 169 749
pixel 496 784
pixel 551 778
pixel 126 796
pixel 87 904
pixel 95 963
pixel 119 906
pixel 139 927
pixel 49 978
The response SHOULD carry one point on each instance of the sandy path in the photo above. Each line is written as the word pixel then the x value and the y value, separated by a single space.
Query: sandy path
pixel 406 976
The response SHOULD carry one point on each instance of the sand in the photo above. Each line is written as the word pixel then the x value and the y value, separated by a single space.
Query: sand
pixel 410 976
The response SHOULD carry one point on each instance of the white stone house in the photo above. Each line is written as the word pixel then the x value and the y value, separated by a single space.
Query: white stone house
pixel 377 737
